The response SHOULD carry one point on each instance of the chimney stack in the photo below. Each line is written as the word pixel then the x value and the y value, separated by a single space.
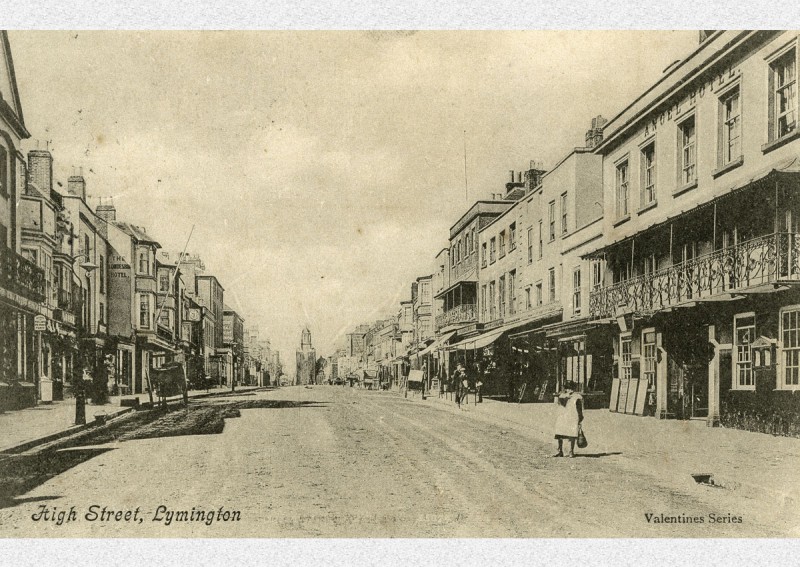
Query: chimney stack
pixel 533 177
pixel 594 135
pixel 107 212
pixel 512 175
pixel 77 186
pixel 40 170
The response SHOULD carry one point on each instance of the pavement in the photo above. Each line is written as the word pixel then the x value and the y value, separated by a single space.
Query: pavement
pixel 29 427
pixel 760 465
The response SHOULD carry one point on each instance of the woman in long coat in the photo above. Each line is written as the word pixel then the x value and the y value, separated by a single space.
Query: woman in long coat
pixel 569 418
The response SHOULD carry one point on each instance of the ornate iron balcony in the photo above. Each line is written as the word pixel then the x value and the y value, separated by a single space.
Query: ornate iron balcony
pixel 21 276
pixel 772 258
pixel 465 313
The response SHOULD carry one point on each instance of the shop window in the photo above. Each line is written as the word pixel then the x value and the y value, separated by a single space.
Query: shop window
pixel 650 358
pixel 625 360
pixel 744 334
pixel 790 346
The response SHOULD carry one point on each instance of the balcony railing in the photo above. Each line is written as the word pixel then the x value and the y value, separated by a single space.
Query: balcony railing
pixel 21 276
pixel 465 313
pixel 772 258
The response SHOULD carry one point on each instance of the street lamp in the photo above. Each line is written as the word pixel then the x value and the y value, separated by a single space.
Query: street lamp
pixel 80 392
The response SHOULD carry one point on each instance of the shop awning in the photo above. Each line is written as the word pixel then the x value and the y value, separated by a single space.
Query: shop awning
pixel 486 338
pixel 479 341
pixel 437 343
pixel 565 329
pixel 787 167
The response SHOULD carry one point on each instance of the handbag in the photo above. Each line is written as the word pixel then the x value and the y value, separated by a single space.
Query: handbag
pixel 582 442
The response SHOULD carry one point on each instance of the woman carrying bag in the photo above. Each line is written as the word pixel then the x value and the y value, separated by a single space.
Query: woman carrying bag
pixel 569 419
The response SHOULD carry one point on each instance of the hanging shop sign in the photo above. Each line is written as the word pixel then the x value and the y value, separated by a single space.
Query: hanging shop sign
pixel 40 323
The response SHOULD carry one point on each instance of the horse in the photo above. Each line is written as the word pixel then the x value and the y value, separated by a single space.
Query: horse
pixel 170 380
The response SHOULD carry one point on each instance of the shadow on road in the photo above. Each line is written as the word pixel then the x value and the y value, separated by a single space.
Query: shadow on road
pixel 22 473
pixel 597 455
pixel 200 418
pixel 276 404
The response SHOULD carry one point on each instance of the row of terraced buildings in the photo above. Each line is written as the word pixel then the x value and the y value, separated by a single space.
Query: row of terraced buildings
pixel 657 266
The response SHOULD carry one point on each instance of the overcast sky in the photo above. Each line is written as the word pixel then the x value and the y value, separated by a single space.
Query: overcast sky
pixel 322 170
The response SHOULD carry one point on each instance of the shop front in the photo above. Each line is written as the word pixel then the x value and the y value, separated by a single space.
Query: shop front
pixel 583 353
pixel 491 358
pixel 59 349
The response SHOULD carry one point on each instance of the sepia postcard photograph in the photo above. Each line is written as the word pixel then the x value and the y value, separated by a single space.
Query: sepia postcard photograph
pixel 384 284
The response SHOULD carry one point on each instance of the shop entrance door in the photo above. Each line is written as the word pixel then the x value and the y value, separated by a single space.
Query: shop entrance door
pixel 687 369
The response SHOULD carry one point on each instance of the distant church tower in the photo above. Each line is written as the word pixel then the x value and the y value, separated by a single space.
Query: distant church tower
pixel 306 360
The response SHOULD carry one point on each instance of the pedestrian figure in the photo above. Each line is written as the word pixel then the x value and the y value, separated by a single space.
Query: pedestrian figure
pixel 478 383
pixel 459 377
pixel 569 417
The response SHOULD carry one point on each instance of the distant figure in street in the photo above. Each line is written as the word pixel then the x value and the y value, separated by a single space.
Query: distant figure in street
pixel 478 383
pixel 459 377
pixel 569 417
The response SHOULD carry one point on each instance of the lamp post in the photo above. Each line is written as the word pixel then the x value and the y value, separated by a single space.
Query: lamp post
pixel 83 353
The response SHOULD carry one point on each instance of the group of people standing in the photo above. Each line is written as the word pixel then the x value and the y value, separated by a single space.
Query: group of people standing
pixel 462 384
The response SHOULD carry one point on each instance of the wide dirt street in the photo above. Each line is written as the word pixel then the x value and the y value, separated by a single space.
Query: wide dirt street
pixel 361 463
